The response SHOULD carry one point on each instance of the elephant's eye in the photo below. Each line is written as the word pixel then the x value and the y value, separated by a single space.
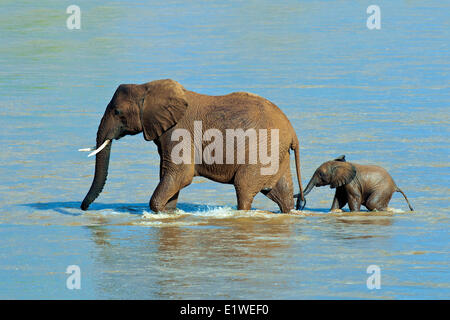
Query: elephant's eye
pixel 117 112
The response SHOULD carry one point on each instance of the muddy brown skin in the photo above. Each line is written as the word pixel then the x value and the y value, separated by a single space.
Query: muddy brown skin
pixel 159 107
pixel 367 185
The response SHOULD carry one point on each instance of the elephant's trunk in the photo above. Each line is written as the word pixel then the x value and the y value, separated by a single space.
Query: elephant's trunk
pixel 101 170
pixel 310 186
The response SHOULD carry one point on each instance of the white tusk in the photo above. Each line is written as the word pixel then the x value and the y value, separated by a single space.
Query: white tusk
pixel 86 149
pixel 99 148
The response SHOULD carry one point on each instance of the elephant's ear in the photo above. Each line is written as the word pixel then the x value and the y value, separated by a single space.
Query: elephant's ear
pixel 342 173
pixel 340 158
pixel 162 106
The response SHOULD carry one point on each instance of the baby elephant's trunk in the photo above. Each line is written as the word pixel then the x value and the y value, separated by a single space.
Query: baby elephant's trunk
pixel 300 204
pixel 404 195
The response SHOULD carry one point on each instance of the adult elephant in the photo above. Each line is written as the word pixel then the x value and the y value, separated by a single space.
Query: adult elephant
pixel 165 111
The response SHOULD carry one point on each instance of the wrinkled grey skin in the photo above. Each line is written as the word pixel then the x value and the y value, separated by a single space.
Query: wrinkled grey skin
pixel 356 185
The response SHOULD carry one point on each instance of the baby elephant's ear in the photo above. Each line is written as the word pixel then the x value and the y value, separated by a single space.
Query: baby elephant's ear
pixel 340 158
pixel 342 173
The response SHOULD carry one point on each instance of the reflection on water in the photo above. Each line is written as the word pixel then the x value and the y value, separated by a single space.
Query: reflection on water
pixel 379 97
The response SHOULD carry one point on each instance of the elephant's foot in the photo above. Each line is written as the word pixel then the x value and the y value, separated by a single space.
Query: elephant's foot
pixel 244 200
pixel 156 206
pixel 336 210
pixel 282 192
pixel 172 203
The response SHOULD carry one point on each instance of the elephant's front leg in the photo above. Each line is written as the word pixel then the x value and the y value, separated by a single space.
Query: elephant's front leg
pixel 165 190
pixel 354 202
pixel 172 203
pixel 166 193
pixel 339 201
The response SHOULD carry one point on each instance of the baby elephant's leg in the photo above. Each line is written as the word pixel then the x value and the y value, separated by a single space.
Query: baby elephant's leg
pixel 339 201
pixel 379 201
pixel 354 202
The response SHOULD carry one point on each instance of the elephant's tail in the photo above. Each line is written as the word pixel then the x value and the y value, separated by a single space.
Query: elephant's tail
pixel 404 195
pixel 296 147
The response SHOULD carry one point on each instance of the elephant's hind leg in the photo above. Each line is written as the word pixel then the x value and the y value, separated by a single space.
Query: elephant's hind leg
pixel 246 187
pixel 282 192
pixel 244 200
pixel 378 201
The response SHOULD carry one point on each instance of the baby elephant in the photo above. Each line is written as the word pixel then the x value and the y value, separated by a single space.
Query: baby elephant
pixel 355 184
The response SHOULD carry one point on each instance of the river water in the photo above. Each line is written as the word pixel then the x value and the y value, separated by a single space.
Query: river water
pixel 377 96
